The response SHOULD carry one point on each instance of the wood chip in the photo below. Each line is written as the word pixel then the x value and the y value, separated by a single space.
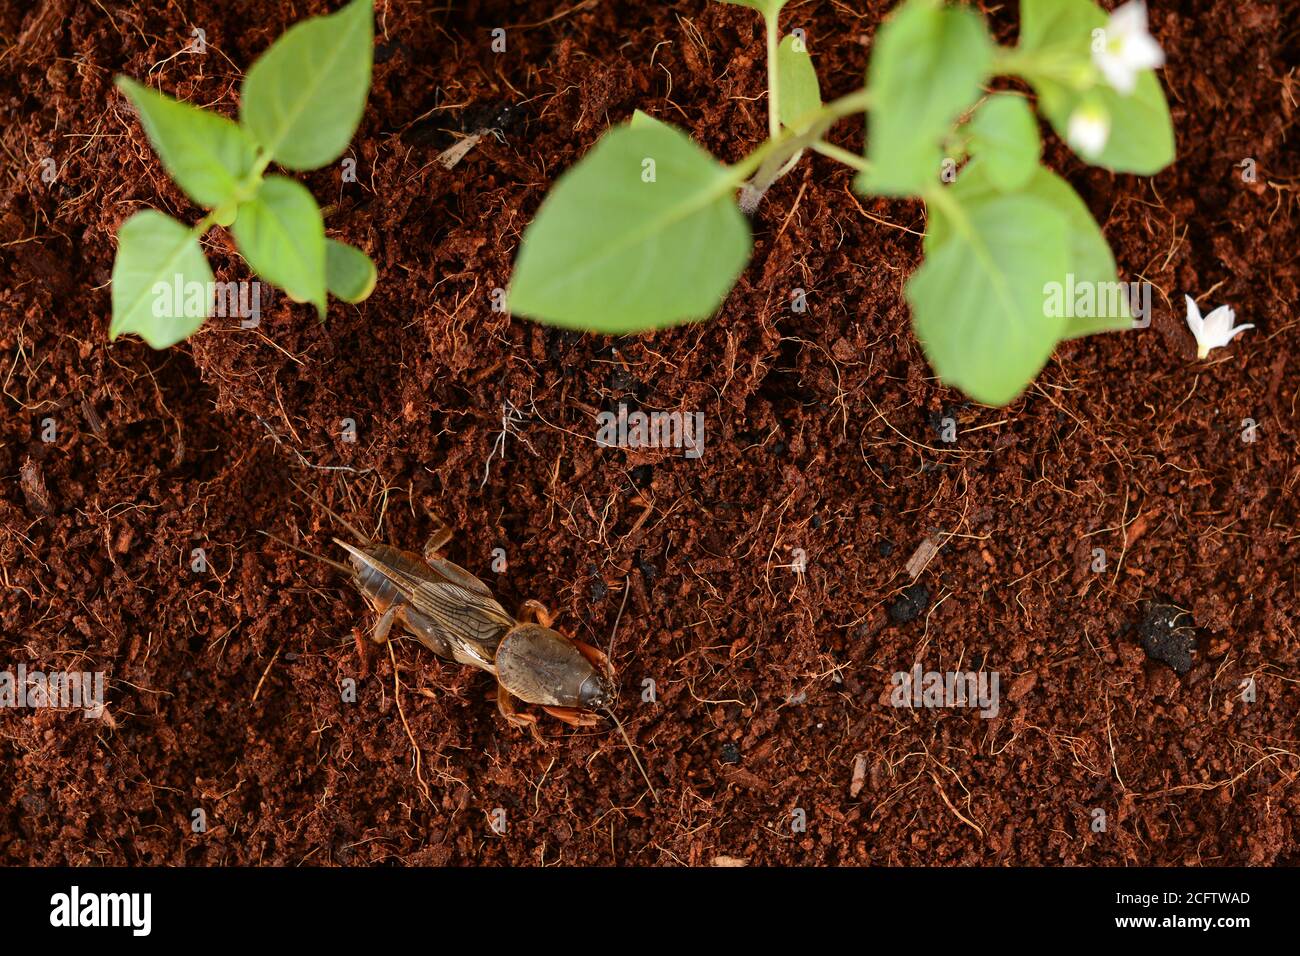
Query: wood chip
pixel 32 479
pixel 453 154
pixel 859 775
pixel 729 861
pixel 923 555
pixel 92 418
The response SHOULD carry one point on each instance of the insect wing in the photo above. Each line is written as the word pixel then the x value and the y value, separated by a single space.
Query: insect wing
pixel 450 605
pixel 457 575
pixel 469 620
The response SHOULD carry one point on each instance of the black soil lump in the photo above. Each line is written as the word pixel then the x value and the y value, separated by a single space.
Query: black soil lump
pixel 1164 639
pixel 909 605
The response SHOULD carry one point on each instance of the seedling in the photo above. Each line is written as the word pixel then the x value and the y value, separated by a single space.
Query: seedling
pixel 646 232
pixel 301 103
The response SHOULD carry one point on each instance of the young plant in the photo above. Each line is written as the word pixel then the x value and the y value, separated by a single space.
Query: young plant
pixel 645 231
pixel 301 103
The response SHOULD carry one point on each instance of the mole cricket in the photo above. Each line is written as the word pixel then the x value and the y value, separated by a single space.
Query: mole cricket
pixel 454 614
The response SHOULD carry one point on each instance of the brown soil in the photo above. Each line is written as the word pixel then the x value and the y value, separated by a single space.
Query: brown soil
pixel 223 688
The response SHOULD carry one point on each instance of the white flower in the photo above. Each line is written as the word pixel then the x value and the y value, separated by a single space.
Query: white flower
pixel 1215 330
pixel 1126 48
pixel 1089 130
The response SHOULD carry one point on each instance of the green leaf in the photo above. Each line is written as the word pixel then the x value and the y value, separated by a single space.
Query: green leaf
pixel 800 94
pixel 1004 135
pixel 1141 131
pixel 977 300
pixel 927 66
pixel 206 154
pixel 640 120
pixel 162 285
pixel 349 273
pixel 303 98
pixel 282 235
pixel 1090 261
pixel 1062 28
pixel 642 233
pixel 769 8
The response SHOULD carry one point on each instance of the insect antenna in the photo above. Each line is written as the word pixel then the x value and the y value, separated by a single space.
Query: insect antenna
pixel 363 538
pixel 333 564
pixel 614 633
pixel 628 740
pixel 618 723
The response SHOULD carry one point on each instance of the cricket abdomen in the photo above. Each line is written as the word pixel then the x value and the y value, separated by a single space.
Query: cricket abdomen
pixel 375 581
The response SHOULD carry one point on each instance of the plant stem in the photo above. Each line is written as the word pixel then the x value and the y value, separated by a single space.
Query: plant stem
pixel 259 167
pixel 739 172
pixel 203 225
pixel 775 162
pixel 788 142
pixel 840 154
pixel 774 81
pixel 773 75
pixel 771 160
pixel 790 164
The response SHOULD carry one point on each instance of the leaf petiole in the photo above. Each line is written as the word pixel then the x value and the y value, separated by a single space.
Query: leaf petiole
pixel 840 154
pixel 1059 63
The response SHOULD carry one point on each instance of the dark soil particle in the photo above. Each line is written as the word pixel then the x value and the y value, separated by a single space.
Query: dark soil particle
pixel 910 604
pixel 1124 443
pixel 1167 636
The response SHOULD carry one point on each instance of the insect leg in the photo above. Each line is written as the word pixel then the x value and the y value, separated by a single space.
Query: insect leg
pixel 382 626
pixel 438 540
pixel 532 610
pixel 506 704
pixel 595 657
pixel 573 716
